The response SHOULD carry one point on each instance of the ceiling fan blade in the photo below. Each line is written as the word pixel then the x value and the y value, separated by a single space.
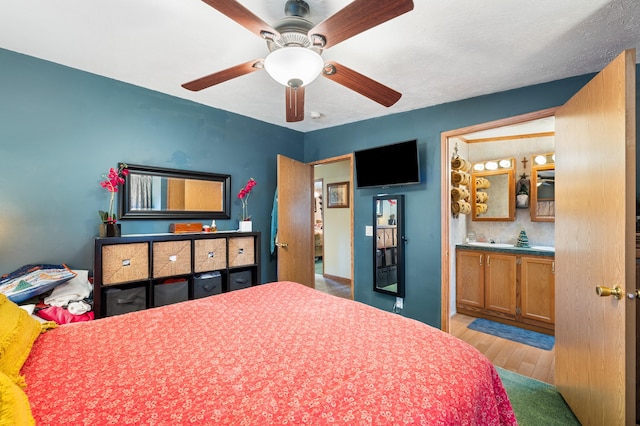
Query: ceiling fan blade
pixel 362 84
pixel 357 17
pixel 224 75
pixel 243 16
pixel 294 99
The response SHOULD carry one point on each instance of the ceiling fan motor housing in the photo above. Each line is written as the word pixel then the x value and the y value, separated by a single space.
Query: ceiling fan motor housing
pixel 293 32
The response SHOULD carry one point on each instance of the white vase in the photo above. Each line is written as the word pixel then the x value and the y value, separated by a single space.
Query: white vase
pixel 245 226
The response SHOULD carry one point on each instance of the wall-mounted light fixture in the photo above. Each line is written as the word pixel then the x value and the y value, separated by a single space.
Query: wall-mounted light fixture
pixel 492 165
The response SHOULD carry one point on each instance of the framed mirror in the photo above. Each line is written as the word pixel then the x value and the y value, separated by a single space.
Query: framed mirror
pixel 388 245
pixel 543 182
pixel 159 193
pixel 493 190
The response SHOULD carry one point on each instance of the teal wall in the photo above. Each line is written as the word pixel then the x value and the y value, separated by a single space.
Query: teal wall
pixel 422 202
pixel 60 129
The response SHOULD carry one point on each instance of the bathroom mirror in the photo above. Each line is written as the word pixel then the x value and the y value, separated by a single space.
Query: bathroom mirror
pixel 159 193
pixel 388 244
pixel 493 190
pixel 543 179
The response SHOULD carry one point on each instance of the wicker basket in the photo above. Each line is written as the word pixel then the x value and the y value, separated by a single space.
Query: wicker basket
pixel 210 255
pixel 171 258
pixel 241 251
pixel 124 263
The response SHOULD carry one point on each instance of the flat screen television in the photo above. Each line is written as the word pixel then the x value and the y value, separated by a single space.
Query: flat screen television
pixel 388 165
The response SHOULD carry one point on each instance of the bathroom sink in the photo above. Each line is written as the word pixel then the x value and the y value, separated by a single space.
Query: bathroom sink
pixel 496 245
pixel 543 248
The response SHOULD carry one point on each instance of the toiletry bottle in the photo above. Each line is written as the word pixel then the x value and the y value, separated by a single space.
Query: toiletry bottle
pixel 213 228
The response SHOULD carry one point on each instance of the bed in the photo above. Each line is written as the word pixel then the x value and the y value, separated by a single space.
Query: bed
pixel 278 353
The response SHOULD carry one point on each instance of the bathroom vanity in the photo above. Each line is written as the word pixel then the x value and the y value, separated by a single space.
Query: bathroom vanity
pixel 508 284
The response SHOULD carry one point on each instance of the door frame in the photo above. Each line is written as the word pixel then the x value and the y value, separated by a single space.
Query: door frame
pixel 445 207
pixel 349 158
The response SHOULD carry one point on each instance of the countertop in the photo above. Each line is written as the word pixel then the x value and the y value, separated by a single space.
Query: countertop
pixel 513 250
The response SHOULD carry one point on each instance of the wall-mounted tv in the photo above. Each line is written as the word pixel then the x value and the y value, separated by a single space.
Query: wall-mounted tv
pixel 388 165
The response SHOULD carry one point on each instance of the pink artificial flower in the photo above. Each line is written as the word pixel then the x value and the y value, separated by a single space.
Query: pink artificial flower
pixel 243 195
pixel 112 180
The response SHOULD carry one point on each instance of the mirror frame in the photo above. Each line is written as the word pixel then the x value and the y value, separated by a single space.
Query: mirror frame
pixel 533 197
pixel 511 197
pixel 124 205
pixel 400 239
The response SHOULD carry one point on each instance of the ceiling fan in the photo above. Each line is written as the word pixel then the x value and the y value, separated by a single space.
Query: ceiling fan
pixel 295 45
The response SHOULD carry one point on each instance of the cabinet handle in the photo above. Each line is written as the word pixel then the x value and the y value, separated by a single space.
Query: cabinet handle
pixel 488 260
pixel 481 259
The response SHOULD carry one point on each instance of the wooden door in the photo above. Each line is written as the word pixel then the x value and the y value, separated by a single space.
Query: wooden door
pixel 470 279
pixel 500 284
pixel 537 288
pixel 295 222
pixel 595 246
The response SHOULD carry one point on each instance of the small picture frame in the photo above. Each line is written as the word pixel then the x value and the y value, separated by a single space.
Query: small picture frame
pixel 338 195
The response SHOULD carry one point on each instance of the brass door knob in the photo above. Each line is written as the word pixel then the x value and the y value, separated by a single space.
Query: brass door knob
pixel 283 245
pixel 606 291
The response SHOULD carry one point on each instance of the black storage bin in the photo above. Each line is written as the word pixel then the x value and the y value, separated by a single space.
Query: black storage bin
pixel 382 277
pixel 390 257
pixel 240 279
pixel 393 274
pixel 170 292
pixel 120 301
pixel 207 284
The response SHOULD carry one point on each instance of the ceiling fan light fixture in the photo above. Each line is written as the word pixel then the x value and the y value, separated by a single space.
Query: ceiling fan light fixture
pixel 293 66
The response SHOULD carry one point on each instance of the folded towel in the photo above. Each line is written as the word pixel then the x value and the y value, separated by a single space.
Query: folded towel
pixel 482 183
pixel 460 164
pixel 460 178
pixel 481 208
pixel 460 207
pixel 459 194
pixel 481 197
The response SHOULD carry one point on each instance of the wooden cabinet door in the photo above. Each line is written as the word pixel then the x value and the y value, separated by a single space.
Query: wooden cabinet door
pixel 500 283
pixel 537 288
pixel 469 279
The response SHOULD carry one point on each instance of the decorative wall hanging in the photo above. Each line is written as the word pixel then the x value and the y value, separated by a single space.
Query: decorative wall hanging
pixel 338 195
pixel 523 188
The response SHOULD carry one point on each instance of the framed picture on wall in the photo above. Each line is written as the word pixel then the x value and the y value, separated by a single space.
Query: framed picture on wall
pixel 338 195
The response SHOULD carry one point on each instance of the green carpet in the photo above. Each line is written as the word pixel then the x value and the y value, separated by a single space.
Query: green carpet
pixel 534 402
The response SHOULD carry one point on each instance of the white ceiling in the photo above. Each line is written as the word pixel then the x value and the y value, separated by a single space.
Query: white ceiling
pixel 442 51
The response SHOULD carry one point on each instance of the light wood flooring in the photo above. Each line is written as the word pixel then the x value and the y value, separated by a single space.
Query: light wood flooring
pixel 517 357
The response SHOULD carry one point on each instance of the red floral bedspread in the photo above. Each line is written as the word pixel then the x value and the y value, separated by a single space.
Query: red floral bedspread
pixel 278 353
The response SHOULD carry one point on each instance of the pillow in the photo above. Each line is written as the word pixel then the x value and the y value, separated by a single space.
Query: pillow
pixel 14 404
pixel 18 331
